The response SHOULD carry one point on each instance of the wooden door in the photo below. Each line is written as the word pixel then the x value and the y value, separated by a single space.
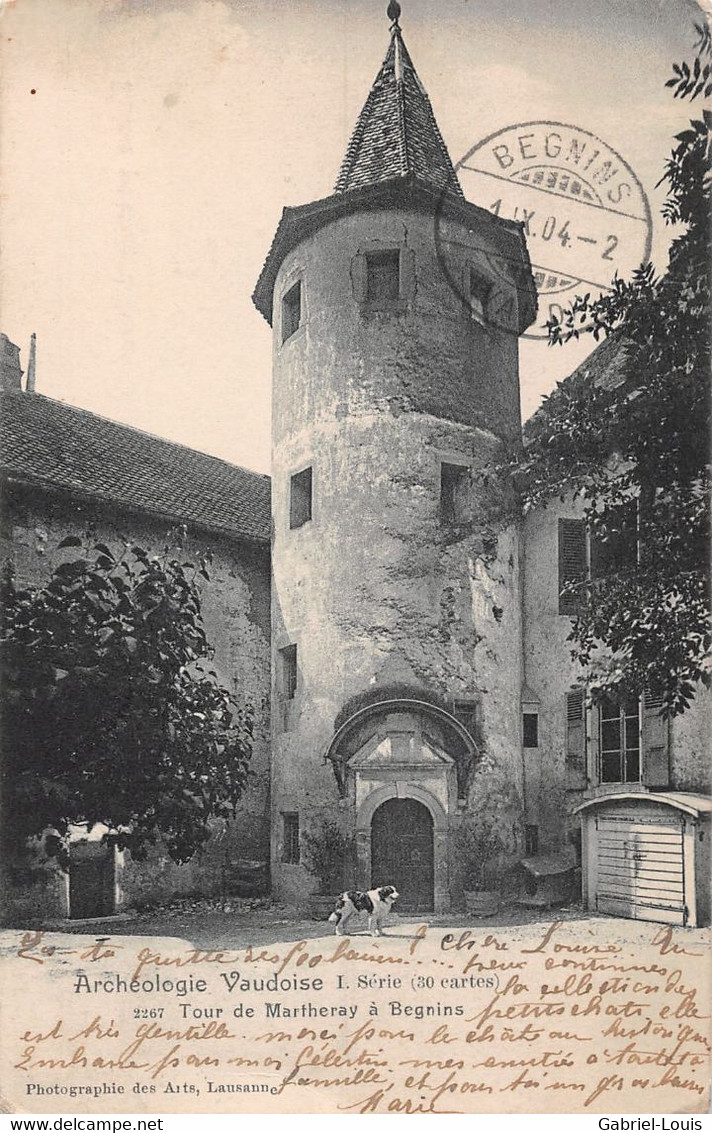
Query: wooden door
pixel 91 880
pixel 640 867
pixel 402 852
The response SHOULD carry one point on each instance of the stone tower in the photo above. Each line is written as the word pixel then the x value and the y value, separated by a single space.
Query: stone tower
pixel 395 306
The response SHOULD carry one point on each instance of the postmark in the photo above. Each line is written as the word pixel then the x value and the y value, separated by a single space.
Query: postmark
pixel 585 213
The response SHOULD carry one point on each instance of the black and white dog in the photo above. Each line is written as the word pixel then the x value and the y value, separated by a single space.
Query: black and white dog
pixel 377 902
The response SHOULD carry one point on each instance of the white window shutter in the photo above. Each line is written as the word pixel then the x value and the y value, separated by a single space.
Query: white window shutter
pixel 575 739
pixel 593 746
pixel 572 562
pixel 656 743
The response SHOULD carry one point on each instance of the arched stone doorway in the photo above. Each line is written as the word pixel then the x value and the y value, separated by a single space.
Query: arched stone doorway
pixel 403 749
pixel 435 822
pixel 402 852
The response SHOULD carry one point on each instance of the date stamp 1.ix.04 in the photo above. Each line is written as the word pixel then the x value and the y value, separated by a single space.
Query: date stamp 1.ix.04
pixel 585 213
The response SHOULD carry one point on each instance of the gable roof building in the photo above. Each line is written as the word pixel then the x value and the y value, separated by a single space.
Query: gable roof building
pixel 66 472
pixel 47 444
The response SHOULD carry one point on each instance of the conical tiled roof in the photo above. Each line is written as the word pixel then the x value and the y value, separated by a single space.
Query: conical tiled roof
pixel 396 134
pixel 397 159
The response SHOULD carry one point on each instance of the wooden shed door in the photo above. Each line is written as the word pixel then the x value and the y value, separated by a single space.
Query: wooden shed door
pixel 91 880
pixel 402 852
pixel 640 867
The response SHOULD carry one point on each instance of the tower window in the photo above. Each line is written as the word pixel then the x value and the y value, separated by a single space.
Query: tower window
pixel 382 275
pixel 290 839
pixel 289 671
pixel 300 498
pixel 530 729
pixel 480 288
pixel 453 482
pixel 465 711
pixel 291 310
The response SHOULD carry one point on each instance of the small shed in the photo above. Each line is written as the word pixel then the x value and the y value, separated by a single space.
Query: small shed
pixel 647 856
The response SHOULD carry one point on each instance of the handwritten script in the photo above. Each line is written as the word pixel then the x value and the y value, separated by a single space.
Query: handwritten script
pixel 584 1016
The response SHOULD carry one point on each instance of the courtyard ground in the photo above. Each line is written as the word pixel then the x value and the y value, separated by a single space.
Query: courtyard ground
pixel 209 923
pixel 212 924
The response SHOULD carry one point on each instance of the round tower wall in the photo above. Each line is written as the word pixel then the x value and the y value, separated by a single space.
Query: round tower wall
pixel 387 583
pixel 423 351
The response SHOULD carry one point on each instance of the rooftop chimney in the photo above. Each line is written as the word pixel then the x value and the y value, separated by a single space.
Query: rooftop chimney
pixel 10 372
pixel 30 383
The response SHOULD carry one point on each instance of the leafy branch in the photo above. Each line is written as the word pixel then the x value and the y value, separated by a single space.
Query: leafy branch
pixel 633 424
pixel 112 709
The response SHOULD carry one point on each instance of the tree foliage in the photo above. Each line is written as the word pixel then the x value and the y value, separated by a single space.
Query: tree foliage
pixel 111 711
pixel 639 430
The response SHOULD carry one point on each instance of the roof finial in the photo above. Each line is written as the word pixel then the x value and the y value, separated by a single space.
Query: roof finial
pixel 393 12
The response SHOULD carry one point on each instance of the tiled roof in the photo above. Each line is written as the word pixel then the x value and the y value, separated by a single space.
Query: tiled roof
pixel 396 133
pixel 396 159
pixel 410 192
pixel 48 444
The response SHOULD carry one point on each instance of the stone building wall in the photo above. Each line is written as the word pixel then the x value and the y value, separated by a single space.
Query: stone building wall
pixel 236 618
pixel 549 674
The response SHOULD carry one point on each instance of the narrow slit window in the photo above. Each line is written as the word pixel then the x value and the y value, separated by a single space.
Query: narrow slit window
pixel 382 276
pixel 290 839
pixel 300 498
pixel 453 480
pixel 289 671
pixel 465 711
pixel 480 288
pixel 291 310
pixel 530 729
pixel 531 841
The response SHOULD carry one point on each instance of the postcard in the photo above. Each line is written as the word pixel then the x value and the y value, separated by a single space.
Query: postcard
pixel 355 421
